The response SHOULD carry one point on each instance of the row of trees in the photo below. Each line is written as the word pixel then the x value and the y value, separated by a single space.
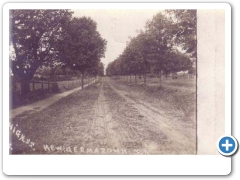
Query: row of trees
pixel 168 45
pixel 53 38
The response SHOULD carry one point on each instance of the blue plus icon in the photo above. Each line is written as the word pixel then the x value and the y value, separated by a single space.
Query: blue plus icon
pixel 227 145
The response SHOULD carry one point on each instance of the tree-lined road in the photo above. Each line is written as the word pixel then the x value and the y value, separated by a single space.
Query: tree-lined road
pixel 107 117
pixel 113 115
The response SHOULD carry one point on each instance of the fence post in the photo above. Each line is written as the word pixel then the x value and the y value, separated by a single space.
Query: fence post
pixel 48 86
pixel 33 86
pixel 42 85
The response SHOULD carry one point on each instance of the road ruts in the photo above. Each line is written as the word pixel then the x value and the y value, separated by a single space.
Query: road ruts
pixel 101 133
pixel 177 141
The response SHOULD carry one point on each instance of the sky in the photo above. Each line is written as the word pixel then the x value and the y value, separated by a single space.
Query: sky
pixel 116 26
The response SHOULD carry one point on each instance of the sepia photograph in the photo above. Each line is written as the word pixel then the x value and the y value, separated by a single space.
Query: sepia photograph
pixel 117 89
pixel 103 81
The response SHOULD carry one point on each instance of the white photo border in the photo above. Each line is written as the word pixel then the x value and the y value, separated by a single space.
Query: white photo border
pixel 115 164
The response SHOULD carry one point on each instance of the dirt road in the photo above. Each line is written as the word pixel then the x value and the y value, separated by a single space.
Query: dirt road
pixel 105 118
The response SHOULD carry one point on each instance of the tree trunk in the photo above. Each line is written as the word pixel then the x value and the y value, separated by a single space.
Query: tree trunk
pixel 144 78
pixel 82 80
pixel 52 71
pixel 25 87
pixel 160 74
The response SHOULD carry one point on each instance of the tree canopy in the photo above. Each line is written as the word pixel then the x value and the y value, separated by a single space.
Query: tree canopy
pixel 82 47
pixel 167 45
pixel 50 38
pixel 33 35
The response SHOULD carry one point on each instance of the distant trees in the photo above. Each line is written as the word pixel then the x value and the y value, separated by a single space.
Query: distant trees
pixel 100 69
pixel 96 70
pixel 166 46
pixel 52 38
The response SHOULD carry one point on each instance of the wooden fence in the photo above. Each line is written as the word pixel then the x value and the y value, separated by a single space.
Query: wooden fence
pixel 51 86
pixel 62 85
pixel 43 85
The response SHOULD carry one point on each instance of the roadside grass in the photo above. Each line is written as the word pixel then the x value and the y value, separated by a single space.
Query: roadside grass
pixel 16 100
pixel 58 124
pixel 175 96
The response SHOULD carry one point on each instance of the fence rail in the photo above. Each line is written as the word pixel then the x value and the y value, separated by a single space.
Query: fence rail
pixel 35 85
pixel 53 85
